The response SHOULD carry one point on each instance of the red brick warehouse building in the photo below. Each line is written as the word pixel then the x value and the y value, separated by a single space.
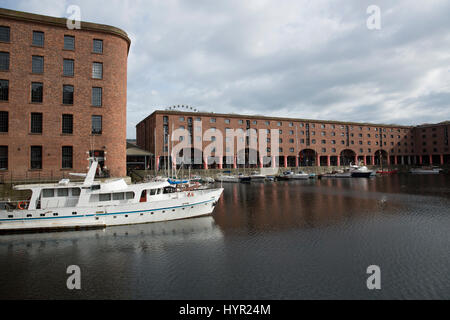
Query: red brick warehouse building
pixel 62 96
pixel 302 142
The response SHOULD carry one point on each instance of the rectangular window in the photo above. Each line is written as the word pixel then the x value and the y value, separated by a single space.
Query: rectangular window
pixel 97 70
pixel 4 90
pixel 37 64
pixel 68 67
pixel 67 94
pixel 67 157
pixel 36 92
pixel 4 34
pixel 97 97
pixel 36 122
pixel 64 192
pixel 4 121
pixel 38 38
pixel 69 42
pixel 3 157
pixel 67 123
pixel 4 61
pixel 96 124
pixel 118 196
pixel 97 46
pixel 105 196
pixel 48 193
pixel 36 157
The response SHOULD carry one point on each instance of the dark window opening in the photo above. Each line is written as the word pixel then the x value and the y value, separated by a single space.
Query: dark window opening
pixel 69 42
pixel 67 157
pixel 36 122
pixel 4 61
pixel 36 157
pixel 36 92
pixel 4 90
pixel 67 123
pixel 38 38
pixel 37 64
pixel 67 94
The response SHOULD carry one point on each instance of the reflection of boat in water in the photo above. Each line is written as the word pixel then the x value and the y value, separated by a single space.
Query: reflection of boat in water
pixel 95 204
pixel 386 172
pixel 425 170
pixel 182 231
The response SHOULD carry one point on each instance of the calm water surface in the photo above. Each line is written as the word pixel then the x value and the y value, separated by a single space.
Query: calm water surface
pixel 309 239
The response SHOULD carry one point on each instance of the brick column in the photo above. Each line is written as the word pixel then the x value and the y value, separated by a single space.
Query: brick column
pixel 328 161
pixel 261 165
pixel 318 160
pixel 442 159
pixel 395 160
pixel 205 163
pixel 274 165
pixel 356 159
pixel 157 163
pixel 285 161
pixel 338 161
pixel 234 162
pixel 296 161
pixel 431 158
pixel 420 160
pixel 220 163
pixel 388 159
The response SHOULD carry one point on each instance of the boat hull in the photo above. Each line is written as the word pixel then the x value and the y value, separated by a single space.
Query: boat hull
pixel 182 207
pixel 361 174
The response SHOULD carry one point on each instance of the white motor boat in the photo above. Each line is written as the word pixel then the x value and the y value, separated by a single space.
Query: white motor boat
pixel 227 178
pixel 91 204
pixel 337 174
pixel 255 176
pixel 425 170
pixel 360 171
pixel 289 175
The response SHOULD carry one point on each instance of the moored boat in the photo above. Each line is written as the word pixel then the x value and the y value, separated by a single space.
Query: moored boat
pixel 425 170
pixel 96 204
pixel 290 175
pixel 227 178
pixel 255 177
pixel 360 171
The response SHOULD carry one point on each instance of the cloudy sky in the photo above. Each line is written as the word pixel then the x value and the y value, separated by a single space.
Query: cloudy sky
pixel 309 59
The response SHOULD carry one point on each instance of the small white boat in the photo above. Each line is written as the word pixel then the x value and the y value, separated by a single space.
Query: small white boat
pixel 289 175
pixel 425 170
pixel 227 178
pixel 207 180
pixel 255 176
pixel 95 204
pixel 360 171
pixel 337 174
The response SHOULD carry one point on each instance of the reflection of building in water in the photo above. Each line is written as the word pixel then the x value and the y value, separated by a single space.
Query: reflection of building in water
pixel 304 204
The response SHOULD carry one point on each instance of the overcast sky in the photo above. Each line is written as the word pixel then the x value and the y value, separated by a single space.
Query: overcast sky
pixel 308 59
